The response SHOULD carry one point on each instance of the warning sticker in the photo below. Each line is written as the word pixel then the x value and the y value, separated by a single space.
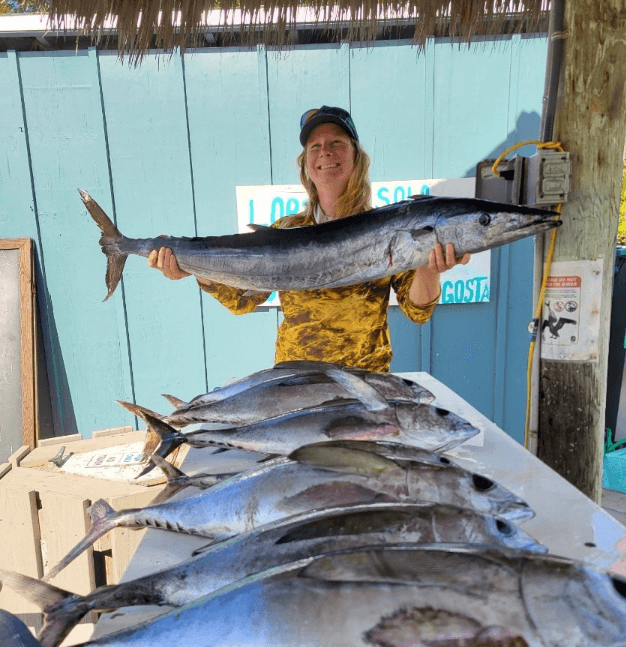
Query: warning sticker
pixel 570 320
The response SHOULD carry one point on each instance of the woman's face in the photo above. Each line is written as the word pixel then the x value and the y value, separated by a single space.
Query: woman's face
pixel 330 157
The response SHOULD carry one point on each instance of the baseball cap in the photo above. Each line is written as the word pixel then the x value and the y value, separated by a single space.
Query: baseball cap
pixel 316 116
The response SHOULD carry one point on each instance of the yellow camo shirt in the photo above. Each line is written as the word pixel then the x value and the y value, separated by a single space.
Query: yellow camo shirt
pixel 345 325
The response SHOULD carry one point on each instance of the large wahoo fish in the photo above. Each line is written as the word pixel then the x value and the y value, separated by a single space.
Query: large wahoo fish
pixel 363 247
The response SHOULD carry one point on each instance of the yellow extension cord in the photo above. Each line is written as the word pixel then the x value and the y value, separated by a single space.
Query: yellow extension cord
pixel 537 319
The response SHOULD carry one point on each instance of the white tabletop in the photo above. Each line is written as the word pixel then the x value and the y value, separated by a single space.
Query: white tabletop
pixel 566 521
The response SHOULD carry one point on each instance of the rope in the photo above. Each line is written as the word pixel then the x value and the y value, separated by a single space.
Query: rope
pixel 537 319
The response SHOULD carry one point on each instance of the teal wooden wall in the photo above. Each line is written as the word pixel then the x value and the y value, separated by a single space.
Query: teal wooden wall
pixel 162 148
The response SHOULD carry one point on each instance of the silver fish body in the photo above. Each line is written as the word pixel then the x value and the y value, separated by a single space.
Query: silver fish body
pixel 270 400
pixel 364 247
pixel 315 478
pixel 422 426
pixel 298 537
pixel 402 595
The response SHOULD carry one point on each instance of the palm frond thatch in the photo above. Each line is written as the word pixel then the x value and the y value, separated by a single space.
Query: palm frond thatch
pixel 167 24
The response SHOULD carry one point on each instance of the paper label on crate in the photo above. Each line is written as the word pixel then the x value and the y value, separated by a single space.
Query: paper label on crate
pixel 114 460
pixel 570 321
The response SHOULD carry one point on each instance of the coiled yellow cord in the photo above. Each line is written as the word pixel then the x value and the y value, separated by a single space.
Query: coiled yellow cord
pixel 537 319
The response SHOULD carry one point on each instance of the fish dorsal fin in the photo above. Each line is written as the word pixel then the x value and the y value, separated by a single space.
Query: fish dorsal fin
pixel 422 197
pixel 349 461
pixel 177 403
pixel 256 227
pixel 253 293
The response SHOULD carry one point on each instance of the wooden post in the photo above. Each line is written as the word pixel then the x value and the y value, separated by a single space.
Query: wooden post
pixel 590 123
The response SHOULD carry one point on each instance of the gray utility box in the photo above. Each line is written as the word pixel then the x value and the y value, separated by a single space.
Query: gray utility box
pixel 538 181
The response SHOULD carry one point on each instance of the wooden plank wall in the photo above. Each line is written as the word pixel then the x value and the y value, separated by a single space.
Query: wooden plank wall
pixel 163 147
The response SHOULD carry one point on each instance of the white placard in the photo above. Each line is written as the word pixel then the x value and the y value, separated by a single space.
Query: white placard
pixel 570 321
pixel 469 283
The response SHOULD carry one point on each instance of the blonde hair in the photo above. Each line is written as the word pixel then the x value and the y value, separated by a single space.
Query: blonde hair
pixel 357 196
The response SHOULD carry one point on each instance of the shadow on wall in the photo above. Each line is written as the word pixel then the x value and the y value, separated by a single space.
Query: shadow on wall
pixel 528 126
pixel 56 411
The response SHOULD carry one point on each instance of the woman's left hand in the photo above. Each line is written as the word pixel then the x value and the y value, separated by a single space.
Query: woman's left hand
pixel 440 262
pixel 425 286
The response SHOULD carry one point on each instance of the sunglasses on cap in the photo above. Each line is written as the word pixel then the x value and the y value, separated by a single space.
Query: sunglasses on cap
pixel 312 118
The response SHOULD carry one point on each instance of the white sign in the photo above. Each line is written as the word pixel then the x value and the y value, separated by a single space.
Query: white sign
pixel 469 283
pixel 570 321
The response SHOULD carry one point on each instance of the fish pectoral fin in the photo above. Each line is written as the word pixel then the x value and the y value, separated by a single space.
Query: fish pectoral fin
pixel 340 459
pixel 359 389
pixel 253 293
pixel 356 428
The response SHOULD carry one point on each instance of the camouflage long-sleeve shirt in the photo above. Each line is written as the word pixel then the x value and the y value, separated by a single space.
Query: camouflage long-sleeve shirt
pixel 346 325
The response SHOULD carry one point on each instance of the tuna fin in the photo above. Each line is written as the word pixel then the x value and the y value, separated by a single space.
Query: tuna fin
pixel 38 592
pixel 356 428
pixel 176 480
pixel 177 403
pixel 253 293
pixel 170 438
pixel 104 518
pixel 351 461
pixel 108 242
pixel 359 389
pixel 256 227
pixel 57 624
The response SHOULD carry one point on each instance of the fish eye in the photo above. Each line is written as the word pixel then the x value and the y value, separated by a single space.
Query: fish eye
pixel 444 460
pixel 482 483
pixel 619 585
pixel 484 219
pixel 441 412
pixel 504 528
pixel 407 382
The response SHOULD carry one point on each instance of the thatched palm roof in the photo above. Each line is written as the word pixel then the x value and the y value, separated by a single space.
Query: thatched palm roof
pixel 144 24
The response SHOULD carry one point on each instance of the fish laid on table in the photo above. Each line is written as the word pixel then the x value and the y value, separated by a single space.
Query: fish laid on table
pixel 393 596
pixel 305 371
pixel 275 544
pixel 314 478
pixel 276 398
pixel 367 246
pixel 177 480
pixel 420 425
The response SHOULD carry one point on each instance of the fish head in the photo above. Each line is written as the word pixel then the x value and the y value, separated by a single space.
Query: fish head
pixel 473 225
pixel 485 495
pixel 507 534
pixel 432 427
pixel 394 386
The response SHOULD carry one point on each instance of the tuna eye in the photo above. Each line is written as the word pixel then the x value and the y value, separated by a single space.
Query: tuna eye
pixel 441 412
pixel 444 460
pixel 505 528
pixel 619 585
pixel 407 382
pixel 484 219
pixel 482 483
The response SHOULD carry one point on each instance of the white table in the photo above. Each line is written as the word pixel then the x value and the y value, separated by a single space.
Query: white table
pixel 566 521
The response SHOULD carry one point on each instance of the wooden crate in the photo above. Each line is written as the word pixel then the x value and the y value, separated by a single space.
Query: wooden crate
pixel 43 514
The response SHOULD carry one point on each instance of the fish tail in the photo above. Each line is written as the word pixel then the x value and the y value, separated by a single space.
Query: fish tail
pixel 169 437
pixel 61 609
pixel 104 518
pixel 109 242
pixel 176 480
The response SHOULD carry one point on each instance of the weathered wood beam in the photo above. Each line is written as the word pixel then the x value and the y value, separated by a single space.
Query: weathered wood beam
pixel 591 124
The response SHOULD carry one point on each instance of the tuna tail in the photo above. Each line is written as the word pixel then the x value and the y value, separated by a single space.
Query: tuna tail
pixel 109 241
pixel 176 480
pixel 170 439
pixel 103 518
pixel 57 623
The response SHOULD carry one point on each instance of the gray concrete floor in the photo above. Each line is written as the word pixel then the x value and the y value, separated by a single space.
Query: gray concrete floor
pixel 615 504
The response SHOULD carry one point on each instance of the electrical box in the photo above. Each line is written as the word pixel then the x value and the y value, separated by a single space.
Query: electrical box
pixel 538 181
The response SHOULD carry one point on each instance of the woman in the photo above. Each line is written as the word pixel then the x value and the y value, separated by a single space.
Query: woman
pixel 346 325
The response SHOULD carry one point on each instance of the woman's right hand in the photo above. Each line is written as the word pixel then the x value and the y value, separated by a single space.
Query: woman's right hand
pixel 164 260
